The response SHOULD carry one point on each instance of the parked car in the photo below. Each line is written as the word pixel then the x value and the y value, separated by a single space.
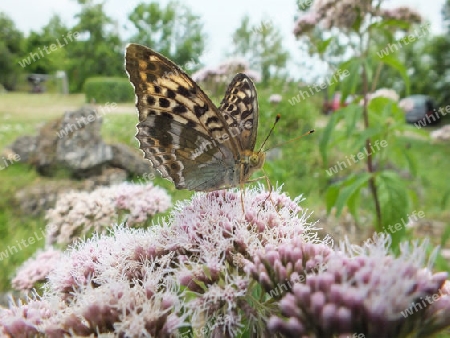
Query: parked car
pixel 420 108
pixel 330 106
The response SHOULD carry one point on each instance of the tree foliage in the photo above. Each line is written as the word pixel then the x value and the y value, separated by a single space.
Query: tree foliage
pixel 54 32
pixel 11 49
pixel 173 31
pixel 262 46
pixel 98 50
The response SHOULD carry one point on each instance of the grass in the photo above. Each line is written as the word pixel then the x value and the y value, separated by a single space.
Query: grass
pixel 298 165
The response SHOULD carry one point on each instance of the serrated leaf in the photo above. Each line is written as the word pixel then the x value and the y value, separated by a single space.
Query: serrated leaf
pixel 360 138
pixel 356 182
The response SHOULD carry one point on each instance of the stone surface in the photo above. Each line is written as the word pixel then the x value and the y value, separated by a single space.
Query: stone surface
pixel 24 146
pixel 44 156
pixel 79 146
pixel 72 146
pixel 125 158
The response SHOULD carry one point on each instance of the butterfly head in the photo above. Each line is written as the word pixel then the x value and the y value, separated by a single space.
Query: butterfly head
pixel 256 160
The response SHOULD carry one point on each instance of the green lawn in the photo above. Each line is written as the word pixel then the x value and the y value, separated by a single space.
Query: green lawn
pixel 298 166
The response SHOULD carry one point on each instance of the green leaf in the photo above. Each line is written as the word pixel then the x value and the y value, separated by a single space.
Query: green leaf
pixel 352 81
pixel 445 199
pixel 352 114
pixel 445 236
pixel 392 61
pixel 353 185
pixel 394 202
pixel 331 196
pixel 327 135
pixel 323 45
pixel 368 67
pixel 359 139
pixel 412 163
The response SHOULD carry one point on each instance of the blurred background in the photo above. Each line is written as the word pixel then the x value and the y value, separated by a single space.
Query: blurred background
pixel 375 88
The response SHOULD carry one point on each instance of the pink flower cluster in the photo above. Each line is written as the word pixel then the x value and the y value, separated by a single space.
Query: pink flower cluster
pixel 211 271
pixel 140 202
pixel 36 269
pixel 343 14
pixel 382 92
pixel 360 290
pixel 225 71
pixel 189 273
pixel 77 214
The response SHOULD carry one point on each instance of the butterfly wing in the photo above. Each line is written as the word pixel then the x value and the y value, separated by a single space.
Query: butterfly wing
pixel 181 131
pixel 240 110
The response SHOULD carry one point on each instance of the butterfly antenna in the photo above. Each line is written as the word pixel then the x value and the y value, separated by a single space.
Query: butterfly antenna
pixel 294 139
pixel 277 118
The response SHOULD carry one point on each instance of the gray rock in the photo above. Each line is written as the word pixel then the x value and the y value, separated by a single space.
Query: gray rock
pixel 79 146
pixel 72 143
pixel 72 146
pixel 24 146
pixel 126 158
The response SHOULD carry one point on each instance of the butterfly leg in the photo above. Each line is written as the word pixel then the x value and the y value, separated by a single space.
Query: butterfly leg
pixel 269 196
pixel 242 187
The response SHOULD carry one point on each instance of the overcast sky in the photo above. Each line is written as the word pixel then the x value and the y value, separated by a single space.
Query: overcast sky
pixel 220 18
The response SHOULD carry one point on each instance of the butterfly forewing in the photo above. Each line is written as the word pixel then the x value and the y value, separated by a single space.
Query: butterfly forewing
pixel 183 134
pixel 240 110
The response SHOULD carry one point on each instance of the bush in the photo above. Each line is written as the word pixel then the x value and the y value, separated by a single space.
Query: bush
pixel 108 89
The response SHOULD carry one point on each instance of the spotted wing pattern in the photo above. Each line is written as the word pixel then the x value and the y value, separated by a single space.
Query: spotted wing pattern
pixel 240 110
pixel 183 134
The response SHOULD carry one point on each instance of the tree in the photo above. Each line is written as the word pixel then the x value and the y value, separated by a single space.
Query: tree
pixel 51 59
pixel 98 50
pixel 262 46
pixel 11 50
pixel 173 31
pixel 417 59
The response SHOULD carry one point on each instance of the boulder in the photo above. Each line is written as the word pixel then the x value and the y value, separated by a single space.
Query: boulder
pixel 82 149
pixel 72 145
pixel 24 146
pixel 126 158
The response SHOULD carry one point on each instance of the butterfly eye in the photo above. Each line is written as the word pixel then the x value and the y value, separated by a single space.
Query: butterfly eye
pixel 254 160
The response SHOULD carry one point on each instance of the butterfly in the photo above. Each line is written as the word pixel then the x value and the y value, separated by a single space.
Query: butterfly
pixel 189 140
